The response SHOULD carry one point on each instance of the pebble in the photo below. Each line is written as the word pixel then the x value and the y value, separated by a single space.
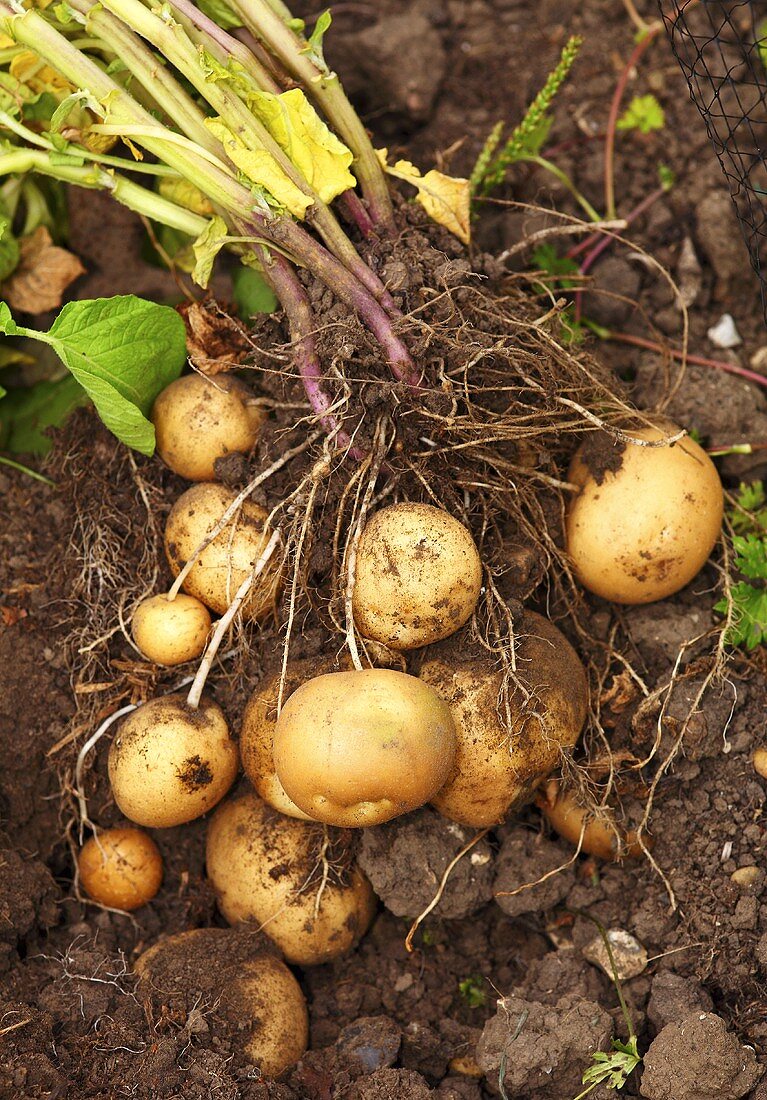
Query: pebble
pixel 724 334
pixel 629 954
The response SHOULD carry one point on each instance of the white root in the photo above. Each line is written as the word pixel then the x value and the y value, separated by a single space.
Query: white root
pixel 81 757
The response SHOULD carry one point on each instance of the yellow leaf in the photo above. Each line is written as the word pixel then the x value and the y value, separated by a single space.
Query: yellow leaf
pixel 183 193
pixel 260 167
pixel 31 70
pixel 6 41
pixel 446 199
pixel 322 159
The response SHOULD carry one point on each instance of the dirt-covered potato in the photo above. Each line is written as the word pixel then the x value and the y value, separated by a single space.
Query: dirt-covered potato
pixel 358 748
pixel 198 419
pixel 247 996
pixel 169 763
pixel 596 831
pixel 645 519
pixel 499 763
pixel 257 734
pixel 121 868
pixel 418 576
pixel 171 632
pixel 292 878
pixel 231 556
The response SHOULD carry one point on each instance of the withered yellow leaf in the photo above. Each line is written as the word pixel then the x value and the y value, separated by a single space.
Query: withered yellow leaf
pixel 446 199
pixel 260 167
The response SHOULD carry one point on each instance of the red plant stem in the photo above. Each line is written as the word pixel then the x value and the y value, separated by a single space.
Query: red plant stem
pixel 675 353
pixel 612 120
pixel 355 211
pixel 301 322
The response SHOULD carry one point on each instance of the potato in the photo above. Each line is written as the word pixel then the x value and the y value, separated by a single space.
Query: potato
pixel 267 869
pixel 171 632
pixel 497 770
pixel 358 748
pixel 226 562
pixel 257 734
pixel 245 994
pixel 418 576
pixel 121 868
pixel 170 763
pixel 645 519
pixel 597 833
pixel 198 419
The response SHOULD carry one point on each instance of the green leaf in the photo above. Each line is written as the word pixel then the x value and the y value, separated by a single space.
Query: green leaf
pixel 207 246
pixel 252 293
pixel 666 176
pixel 314 47
pixel 9 249
pixel 25 414
pixel 644 114
pixel 123 351
pixel 546 258
pixel 220 13
pixel 761 41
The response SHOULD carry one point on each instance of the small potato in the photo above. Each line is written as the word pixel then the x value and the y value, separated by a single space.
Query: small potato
pixel 257 734
pixel 247 996
pixel 495 770
pixel 231 556
pixel 418 576
pixel 267 869
pixel 171 632
pixel 598 835
pixel 645 519
pixel 358 748
pixel 121 868
pixel 170 763
pixel 198 419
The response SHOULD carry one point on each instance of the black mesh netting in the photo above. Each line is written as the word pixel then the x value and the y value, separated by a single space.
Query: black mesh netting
pixel 722 48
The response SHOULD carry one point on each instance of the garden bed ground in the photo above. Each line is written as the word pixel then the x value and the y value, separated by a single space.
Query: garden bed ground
pixel 70 1025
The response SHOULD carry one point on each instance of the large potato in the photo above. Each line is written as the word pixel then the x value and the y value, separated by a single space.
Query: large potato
pixel 198 419
pixel 170 763
pixel 248 996
pixel 358 748
pixel 230 557
pixel 498 767
pixel 418 576
pixel 645 519
pixel 267 869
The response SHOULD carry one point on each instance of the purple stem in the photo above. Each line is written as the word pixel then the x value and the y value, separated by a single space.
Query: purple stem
pixel 230 45
pixel 355 211
pixel 301 321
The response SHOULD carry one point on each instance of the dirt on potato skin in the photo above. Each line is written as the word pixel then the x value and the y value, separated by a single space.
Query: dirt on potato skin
pixel 80 1036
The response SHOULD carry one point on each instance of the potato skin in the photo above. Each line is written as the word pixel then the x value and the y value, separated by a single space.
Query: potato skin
pixel 254 991
pixel 169 764
pixel 649 527
pixel 358 748
pixel 121 869
pixel 597 836
pixel 494 773
pixel 171 632
pixel 198 419
pixel 227 561
pixel 258 862
pixel 418 576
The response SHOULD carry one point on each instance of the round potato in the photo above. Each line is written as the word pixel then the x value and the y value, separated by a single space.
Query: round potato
pixel 596 833
pixel 268 869
pixel 170 763
pixel 171 632
pixel 249 997
pixel 500 762
pixel 231 556
pixel 198 419
pixel 418 576
pixel 121 868
pixel 358 748
pixel 645 519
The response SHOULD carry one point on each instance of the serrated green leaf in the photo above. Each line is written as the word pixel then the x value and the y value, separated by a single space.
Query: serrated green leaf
pixel 252 293
pixel 26 414
pixel 7 324
pixel 546 258
pixel 206 247
pixel 751 556
pixel 644 113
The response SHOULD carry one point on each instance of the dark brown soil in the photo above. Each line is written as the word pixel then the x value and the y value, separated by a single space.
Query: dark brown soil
pixel 388 1024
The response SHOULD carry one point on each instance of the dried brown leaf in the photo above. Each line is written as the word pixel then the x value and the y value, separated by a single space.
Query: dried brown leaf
pixel 43 274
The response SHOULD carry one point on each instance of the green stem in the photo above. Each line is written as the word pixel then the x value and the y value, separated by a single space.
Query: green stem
pixel 568 183
pixel 26 470
pixel 325 88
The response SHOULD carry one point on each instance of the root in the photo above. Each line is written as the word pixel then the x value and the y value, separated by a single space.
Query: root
pixel 441 889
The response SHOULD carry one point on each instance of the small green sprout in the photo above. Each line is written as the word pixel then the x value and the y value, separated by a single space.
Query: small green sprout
pixel 473 992
pixel 644 114
pixel 748 518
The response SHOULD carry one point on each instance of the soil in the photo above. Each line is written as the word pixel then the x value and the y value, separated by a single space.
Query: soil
pixel 495 994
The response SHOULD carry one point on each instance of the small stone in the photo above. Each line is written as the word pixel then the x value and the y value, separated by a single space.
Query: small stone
pixel 748 879
pixel 759 760
pixel 724 334
pixel 629 955
pixel 758 360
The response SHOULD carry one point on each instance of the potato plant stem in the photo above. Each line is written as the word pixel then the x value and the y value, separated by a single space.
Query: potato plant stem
pixel 326 90
pixel 229 46
pixel 680 356
pixel 223 624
